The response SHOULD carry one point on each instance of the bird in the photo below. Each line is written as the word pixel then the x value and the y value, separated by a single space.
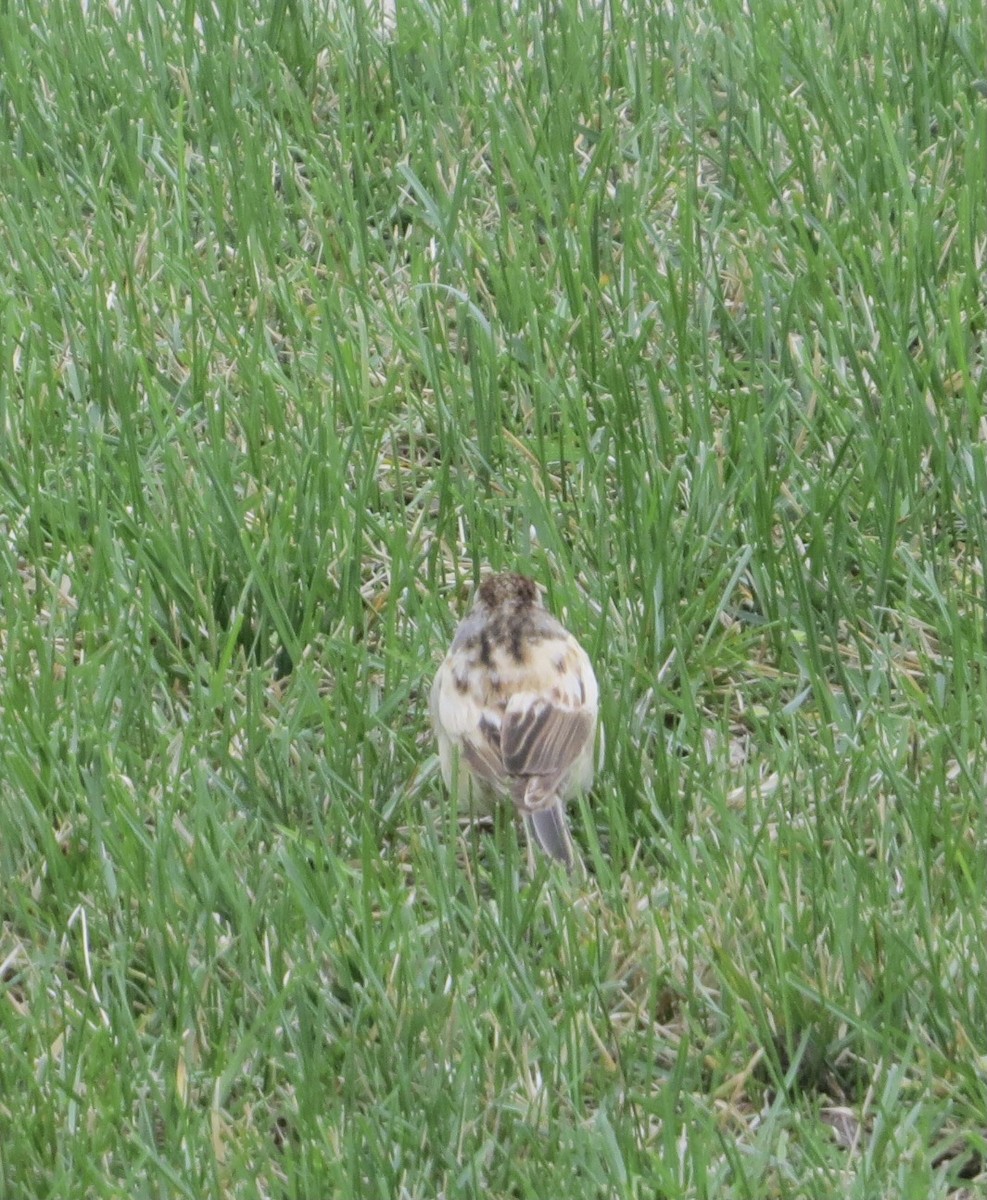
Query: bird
pixel 514 709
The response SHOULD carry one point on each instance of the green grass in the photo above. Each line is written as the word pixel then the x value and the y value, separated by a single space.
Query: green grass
pixel 306 320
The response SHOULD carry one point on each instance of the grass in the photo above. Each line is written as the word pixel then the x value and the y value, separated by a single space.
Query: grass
pixel 309 317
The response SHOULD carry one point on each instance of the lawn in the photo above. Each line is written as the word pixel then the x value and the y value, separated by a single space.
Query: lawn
pixel 312 314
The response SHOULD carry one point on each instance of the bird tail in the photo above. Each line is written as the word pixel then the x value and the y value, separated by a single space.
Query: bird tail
pixel 550 830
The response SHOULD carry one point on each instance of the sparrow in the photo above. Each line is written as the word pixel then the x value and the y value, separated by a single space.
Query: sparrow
pixel 514 709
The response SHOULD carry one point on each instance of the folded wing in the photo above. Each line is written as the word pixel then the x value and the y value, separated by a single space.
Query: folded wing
pixel 540 742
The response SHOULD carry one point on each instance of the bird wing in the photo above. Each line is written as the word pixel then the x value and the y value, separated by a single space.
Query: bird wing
pixel 540 740
pixel 481 749
pixel 471 725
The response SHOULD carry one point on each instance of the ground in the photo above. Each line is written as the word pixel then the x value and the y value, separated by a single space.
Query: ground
pixel 310 317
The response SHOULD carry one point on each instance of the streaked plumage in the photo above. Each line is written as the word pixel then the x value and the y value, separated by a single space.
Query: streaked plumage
pixel 514 708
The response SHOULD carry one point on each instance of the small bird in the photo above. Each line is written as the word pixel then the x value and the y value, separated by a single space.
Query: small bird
pixel 514 709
